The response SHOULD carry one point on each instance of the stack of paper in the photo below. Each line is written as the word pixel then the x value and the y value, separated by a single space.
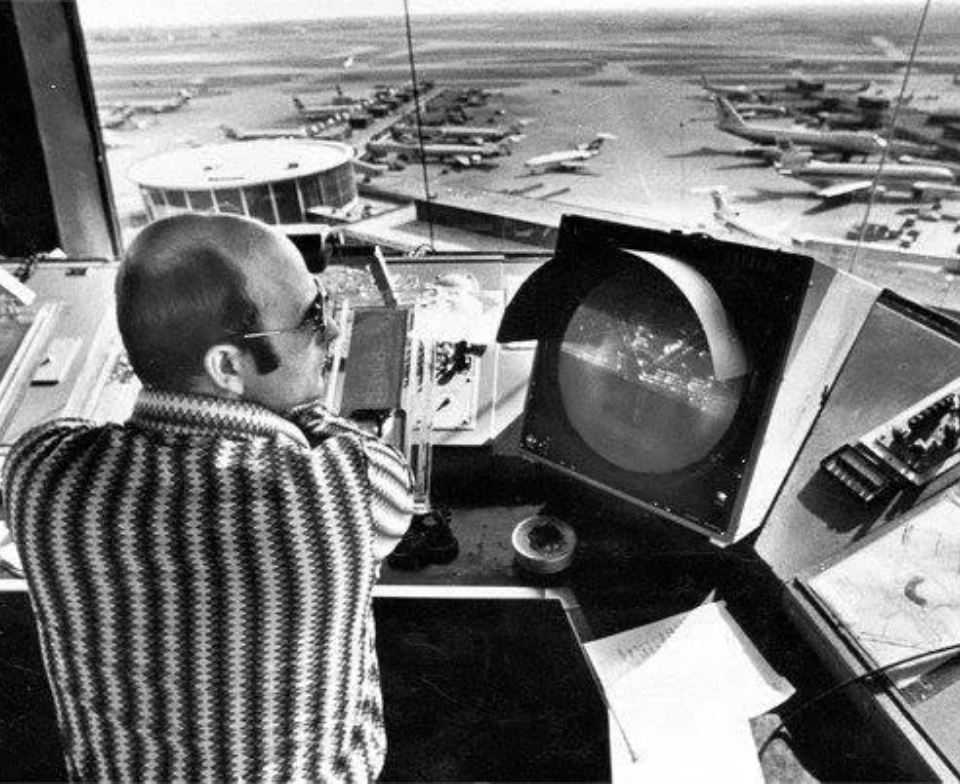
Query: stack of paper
pixel 681 693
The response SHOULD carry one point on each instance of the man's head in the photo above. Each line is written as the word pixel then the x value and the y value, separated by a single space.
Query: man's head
pixel 193 289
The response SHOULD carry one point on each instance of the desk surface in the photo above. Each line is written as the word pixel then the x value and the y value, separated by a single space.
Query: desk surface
pixel 629 571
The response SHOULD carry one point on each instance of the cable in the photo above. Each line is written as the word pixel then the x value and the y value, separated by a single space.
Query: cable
pixel 416 110
pixel 889 139
pixel 883 670
pixel 26 268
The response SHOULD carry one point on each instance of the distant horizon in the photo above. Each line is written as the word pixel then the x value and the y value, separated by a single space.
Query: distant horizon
pixel 106 15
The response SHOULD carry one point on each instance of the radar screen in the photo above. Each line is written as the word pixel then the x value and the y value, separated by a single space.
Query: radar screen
pixel 655 369
pixel 639 379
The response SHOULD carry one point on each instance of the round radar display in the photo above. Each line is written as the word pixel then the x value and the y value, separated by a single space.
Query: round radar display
pixel 651 372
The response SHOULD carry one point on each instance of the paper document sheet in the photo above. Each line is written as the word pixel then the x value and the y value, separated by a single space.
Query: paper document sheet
pixel 683 691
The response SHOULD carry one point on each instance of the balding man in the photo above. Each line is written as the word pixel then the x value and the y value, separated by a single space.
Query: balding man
pixel 202 573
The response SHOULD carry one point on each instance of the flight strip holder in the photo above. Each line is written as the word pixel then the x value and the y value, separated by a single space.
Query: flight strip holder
pixel 916 448
pixel 373 386
pixel 378 356
pixel 910 449
pixel 388 386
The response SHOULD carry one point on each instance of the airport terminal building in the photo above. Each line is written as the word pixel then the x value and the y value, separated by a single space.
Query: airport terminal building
pixel 277 181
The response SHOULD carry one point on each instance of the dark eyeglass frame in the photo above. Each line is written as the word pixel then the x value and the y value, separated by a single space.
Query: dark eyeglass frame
pixel 314 320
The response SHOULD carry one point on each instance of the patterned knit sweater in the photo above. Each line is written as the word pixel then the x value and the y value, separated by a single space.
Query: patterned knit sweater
pixel 202 579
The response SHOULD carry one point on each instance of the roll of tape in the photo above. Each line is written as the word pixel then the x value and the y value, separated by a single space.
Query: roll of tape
pixel 544 544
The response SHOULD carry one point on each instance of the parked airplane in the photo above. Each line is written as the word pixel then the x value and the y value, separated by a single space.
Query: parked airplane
pixel 146 106
pixel 465 155
pixel 325 111
pixel 739 92
pixel 369 168
pixel 942 115
pixel 847 143
pixel 840 180
pixel 241 134
pixel 116 117
pixel 951 165
pixel 730 219
pixel 466 132
pixel 568 160
pixel 749 110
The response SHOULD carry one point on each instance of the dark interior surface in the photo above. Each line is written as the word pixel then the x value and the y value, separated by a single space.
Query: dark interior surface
pixel 27 223
pixel 493 690
pixel 485 690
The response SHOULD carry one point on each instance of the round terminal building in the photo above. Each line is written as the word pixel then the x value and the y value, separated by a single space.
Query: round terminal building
pixel 277 181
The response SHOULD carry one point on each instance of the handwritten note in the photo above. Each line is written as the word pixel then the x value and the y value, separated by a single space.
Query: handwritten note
pixel 689 682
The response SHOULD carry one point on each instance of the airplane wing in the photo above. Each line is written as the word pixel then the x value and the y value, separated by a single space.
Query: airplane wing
pixel 842 189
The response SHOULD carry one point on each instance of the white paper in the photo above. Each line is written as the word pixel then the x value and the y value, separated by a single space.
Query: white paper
pixel 694 749
pixel 617 655
pixel 691 682
pixel 899 596
pixel 708 660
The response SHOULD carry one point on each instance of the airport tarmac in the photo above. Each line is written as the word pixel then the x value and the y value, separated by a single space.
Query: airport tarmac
pixel 666 159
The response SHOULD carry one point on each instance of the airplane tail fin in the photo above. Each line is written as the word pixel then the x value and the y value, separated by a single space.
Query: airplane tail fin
pixel 597 142
pixel 727 115
pixel 720 206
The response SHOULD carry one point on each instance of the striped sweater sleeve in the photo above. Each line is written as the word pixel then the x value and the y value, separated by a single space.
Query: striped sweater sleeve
pixel 391 482
pixel 28 458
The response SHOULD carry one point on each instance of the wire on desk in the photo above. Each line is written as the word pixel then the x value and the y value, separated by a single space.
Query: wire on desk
pixel 869 674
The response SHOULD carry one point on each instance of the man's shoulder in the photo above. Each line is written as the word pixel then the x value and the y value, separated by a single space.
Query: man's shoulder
pixel 57 429
pixel 49 435
pixel 381 454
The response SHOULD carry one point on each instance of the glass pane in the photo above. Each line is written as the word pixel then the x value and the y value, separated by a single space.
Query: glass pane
pixel 328 187
pixel 176 199
pixel 200 201
pixel 288 203
pixel 230 201
pixel 310 190
pixel 346 184
pixel 592 109
pixel 259 203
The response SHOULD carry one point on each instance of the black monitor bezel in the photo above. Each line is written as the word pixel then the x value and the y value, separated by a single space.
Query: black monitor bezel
pixel 763 290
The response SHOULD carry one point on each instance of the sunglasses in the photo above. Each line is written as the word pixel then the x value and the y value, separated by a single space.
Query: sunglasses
pixel 314 320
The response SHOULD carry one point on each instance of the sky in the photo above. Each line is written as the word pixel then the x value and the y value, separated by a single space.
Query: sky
pixel 148 13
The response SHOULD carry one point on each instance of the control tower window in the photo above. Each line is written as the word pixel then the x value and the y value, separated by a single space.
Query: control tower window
pixel 200 201
pixel 260 204
pixel 288 201
pixel 230 201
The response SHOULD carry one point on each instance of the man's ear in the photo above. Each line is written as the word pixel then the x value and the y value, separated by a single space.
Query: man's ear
pixel 223 365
